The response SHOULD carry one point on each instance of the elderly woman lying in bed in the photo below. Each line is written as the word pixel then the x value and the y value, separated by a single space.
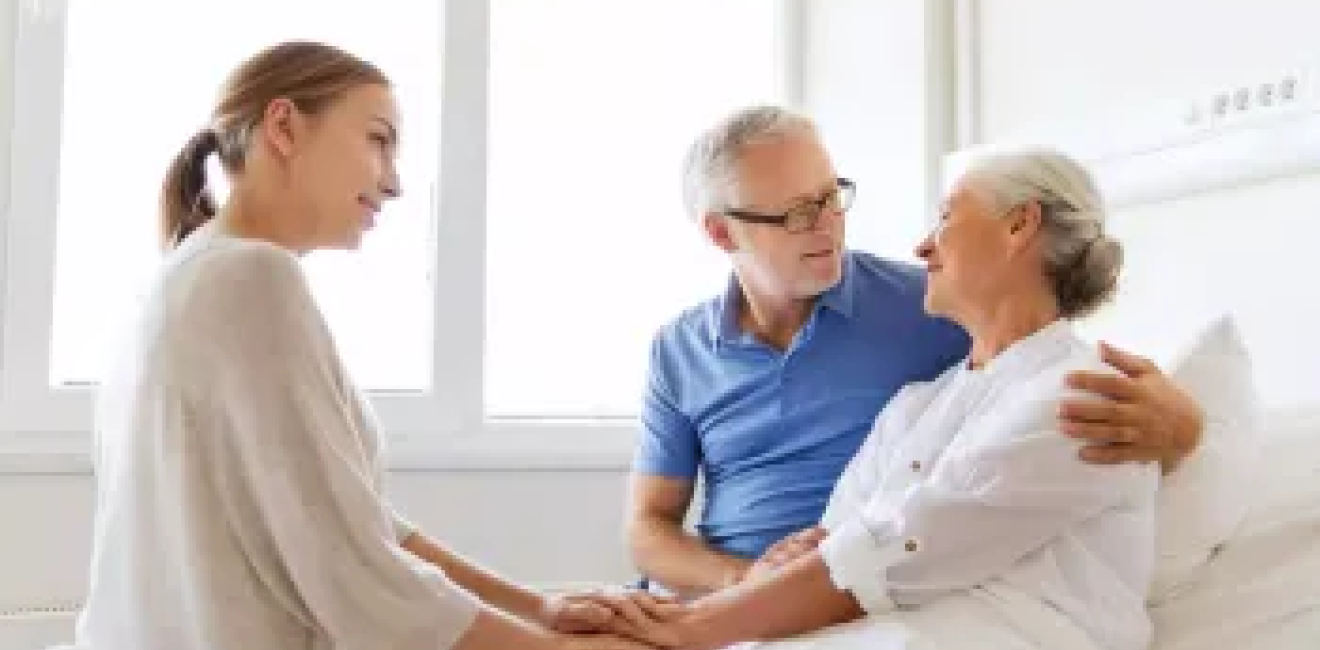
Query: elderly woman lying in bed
pixel 967 519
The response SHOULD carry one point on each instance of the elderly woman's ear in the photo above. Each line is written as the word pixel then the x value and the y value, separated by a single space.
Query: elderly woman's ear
pixel 1028 217
pixel 1025 220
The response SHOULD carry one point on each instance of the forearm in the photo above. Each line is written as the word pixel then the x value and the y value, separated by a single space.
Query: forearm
pixel 487 586
pixel 797 599
pixel 682 562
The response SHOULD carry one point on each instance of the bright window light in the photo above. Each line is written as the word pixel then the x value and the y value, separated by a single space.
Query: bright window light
pixel 588 251
pixel 141 77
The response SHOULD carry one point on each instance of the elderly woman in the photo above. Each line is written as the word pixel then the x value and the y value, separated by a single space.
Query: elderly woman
pixel 967 520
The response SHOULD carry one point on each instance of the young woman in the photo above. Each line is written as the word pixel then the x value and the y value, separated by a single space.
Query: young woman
pixel 239 503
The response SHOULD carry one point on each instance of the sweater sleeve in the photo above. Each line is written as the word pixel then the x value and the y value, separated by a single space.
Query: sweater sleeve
pixel 295 478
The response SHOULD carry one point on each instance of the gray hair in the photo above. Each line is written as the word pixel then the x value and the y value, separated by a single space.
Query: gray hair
pixel 1082 262
pixel 710 167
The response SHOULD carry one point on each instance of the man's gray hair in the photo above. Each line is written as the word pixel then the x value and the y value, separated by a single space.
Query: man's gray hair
pixel 710 167
pixel 1081 260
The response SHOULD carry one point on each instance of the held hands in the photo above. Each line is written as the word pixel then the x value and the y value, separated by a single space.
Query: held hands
pixel 654 620
pixel 583 622
pixel 666 623
pixel 614 619
pixel 576 613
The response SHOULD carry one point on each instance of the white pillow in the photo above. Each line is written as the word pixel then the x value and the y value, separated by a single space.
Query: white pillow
pixel 1261 592
pixel 1286 491
pixel 1201 504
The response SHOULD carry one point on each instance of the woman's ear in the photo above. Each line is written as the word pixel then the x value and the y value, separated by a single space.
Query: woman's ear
pixel 1025 220
pixel 281 126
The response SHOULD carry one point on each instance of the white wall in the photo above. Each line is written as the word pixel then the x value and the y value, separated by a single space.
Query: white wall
pixel 6 106
pixel 878 78
pixel 1251 250
pixel 538 527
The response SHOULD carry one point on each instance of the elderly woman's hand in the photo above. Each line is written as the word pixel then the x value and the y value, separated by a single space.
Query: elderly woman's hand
pixel 1143 417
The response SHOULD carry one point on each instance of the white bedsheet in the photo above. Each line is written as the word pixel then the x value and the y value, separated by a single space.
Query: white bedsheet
pixel 1261 592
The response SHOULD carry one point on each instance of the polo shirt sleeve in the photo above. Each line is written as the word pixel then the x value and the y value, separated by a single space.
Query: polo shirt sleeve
pixel 667 443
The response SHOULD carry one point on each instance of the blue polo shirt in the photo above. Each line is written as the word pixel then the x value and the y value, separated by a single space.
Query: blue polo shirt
pixel 771 431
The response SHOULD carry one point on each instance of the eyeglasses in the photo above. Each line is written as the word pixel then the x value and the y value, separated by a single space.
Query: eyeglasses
pixel 805 215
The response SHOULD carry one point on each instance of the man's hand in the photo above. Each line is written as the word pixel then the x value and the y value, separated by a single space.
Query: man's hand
pixel 1143 417
pixel 786 550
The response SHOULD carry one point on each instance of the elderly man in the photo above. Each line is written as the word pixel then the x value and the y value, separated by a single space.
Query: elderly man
pixel 767 390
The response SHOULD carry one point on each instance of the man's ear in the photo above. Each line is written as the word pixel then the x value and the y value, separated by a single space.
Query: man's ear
pixel 717 230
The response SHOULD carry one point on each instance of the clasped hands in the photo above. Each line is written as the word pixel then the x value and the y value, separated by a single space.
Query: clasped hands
pixel 659 621
pixel 626 614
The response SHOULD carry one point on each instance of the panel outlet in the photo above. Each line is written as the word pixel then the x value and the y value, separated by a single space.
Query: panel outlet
pixel 1244 129
pixel 1249 100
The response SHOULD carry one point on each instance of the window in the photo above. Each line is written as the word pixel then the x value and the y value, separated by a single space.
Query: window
pixel 592 106
pixel 539 244
pixel 130 104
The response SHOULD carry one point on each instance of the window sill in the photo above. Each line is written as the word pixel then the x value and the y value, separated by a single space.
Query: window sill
pixel 523 447
pixel 531 446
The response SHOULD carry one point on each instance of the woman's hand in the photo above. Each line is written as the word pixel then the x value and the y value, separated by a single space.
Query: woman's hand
pixel 576 613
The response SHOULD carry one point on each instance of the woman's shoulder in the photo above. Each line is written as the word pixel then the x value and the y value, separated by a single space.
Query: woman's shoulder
pixel 1032 400
pixel 224 281
pixel 242 260
pixel 249 266
pixel 1078 355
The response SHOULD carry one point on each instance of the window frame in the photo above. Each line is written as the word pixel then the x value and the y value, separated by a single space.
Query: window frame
pixel 43 427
